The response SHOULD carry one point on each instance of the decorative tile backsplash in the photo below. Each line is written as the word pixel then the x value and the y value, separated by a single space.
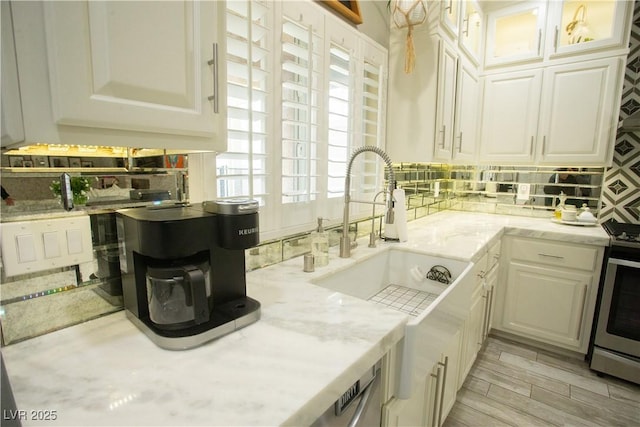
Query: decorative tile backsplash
pixel 621 195
pixel 432 188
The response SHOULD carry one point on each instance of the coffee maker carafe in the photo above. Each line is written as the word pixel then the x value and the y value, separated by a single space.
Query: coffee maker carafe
pixel 183 270
pixel 178 295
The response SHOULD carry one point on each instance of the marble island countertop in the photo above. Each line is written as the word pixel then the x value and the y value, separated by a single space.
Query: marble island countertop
pixel 308 347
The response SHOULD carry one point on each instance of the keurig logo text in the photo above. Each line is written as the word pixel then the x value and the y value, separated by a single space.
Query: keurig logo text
pixel 247 231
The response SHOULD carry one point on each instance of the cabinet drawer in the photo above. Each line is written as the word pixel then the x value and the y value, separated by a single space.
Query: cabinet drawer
pixel 556 254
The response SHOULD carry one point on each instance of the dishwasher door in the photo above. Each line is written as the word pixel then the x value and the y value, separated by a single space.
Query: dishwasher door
pixel 360 405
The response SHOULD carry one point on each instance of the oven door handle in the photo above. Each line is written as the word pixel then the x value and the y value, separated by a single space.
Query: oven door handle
pixel 625 262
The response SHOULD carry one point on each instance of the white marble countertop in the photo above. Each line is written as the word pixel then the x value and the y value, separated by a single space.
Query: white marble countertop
pixel 308 347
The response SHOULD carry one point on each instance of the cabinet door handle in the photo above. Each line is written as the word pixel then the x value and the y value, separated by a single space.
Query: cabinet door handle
pixel 444 133
pixel 465 21
pixel 490 302
pixel 555 40
pixel 551 256
pixel 544 143
pixel 539 40
pixel 214 65
pixel 484 316
pixel 460 146
pixel 435 399
pixel 449 7
pixel 584 300
pixel 444 384
pixel 531 146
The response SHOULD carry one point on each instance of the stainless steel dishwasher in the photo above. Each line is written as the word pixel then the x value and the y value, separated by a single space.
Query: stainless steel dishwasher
pixel 360 405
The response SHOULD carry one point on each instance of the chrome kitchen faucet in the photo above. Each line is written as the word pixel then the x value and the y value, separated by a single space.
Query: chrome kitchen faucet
pixel 345 240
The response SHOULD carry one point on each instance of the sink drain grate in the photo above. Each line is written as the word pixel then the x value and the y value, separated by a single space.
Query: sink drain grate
pixel 404 299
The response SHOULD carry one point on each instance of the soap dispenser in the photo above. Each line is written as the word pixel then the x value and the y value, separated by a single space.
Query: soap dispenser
pixel 320 245
pixel 560 207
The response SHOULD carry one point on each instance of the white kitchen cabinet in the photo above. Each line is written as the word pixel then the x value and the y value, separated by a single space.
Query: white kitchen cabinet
pixel 446 101
pixel 478 324
pixel 547 116
pixel 605 26
pixel 142 74
pixel 549 291
pixel 532 31
pixel 415 411
pixel 433 112
pixel 578 126
pixel 434 395
pixel 11 110
pixel 450 16
pixel 510 110
pixel 471 31
pixel 515 33
pixel 467 105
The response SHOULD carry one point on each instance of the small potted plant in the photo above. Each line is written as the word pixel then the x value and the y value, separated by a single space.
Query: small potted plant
pixel 79 188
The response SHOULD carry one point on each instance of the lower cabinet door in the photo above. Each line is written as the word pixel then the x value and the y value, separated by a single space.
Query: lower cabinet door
pixel 546 304
pixel 450 379
pixel 415 411
pixel 472 336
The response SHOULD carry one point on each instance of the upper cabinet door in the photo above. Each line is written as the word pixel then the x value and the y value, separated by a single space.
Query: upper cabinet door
pixel 465 137
pixel 471 30
pixel 578 126
pixel 509 122
pixel 578 26
pixel 446 101
pixel 138 66
pixel 515 34
pixel 450 16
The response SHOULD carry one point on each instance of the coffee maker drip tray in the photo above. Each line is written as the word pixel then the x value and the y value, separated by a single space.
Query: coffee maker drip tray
pixel 225 318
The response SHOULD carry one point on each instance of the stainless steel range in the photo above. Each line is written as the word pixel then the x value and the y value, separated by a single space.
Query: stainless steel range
pixel 616 341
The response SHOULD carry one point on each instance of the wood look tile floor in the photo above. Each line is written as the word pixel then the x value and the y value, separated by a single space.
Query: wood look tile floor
pixel 512 384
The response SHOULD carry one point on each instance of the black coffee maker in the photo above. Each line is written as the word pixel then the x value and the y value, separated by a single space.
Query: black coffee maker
pixel 183 270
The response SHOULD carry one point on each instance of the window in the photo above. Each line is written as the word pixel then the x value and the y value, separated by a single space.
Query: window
pixel 300 98
pixel 243 171
pixel 339 111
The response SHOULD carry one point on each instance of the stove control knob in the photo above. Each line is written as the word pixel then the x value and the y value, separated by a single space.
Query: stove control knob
pixel 623 236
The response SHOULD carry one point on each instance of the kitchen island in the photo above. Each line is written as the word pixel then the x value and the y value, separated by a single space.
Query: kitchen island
pixel 308 347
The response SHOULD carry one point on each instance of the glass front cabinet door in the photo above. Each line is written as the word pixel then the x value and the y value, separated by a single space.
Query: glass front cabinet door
pixel 471 30
pixel 578 26
pixel 515 34
pixel 449 15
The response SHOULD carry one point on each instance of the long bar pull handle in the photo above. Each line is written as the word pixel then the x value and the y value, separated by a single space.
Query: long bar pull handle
pixel 444 384
pixel 214 64
pixel 584 300
pixel 465 21
pixel 435 398
pixel 444 134
pixel 555 39
pixel 484 316
pixel 539 40
pixel 489 312
pixel 531 147
pixel 551 256
pixel 544 143
pixel 460 146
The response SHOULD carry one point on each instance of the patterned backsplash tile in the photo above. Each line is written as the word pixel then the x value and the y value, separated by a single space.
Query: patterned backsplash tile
pixel 621 194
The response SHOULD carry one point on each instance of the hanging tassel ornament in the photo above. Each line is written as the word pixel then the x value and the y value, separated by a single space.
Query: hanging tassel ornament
pixel 410 53
pixel 407 14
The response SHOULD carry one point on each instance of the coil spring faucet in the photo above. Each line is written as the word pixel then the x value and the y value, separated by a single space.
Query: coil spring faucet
pixel 345 240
